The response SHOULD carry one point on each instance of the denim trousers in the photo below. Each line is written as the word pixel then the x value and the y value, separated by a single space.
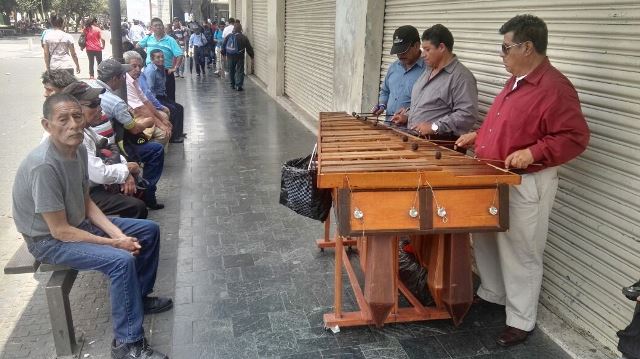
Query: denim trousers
pixel 131 278
pixel 176 118
pixel 151 154
pixel 199 55
pixel 236 70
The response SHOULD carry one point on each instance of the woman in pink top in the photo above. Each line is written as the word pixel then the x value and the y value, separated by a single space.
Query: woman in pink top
pixel 95 43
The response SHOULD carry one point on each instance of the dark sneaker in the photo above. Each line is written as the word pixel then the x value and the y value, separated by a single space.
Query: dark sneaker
pixel 240 89
pixel 154 305
pixel 154 205
pixel 137 350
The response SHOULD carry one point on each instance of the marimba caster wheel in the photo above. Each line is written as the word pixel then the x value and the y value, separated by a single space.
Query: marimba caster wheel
pixel 438 155
pixel 414 146
pixel 405 138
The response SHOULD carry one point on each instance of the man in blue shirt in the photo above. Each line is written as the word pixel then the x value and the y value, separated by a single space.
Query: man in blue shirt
pixel 155 77
pixel 395 93
pixel 173 55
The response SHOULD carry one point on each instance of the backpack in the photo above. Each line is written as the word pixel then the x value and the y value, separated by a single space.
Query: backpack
pixel 232 45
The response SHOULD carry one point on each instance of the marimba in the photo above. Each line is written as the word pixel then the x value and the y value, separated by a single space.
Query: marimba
pixel 387 183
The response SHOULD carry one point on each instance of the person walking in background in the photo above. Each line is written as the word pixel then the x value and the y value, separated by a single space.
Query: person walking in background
pixel 234 48
pixel 59 51
pixel 181 35
pixel 137 32
pixel 219 38
pixel 94 44
pixel 197 45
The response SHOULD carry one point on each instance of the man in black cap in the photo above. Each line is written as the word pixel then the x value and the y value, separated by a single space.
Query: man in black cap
pixel 112 180
pixel 444 100
pixel 128 131
pixel 395 93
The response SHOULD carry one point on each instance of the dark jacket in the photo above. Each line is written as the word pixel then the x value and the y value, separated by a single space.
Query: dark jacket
pixel 243 44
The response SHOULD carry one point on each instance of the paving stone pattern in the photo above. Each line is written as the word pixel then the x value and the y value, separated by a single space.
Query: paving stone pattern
pixel 246 276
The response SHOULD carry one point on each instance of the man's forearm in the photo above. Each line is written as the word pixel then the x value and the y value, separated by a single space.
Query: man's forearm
pixel 73 234
pixel 98 219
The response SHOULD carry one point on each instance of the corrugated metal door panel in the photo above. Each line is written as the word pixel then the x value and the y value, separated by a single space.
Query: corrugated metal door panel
pixel 309 49
pixel 593 247
pixel 260 40
pixel 239 11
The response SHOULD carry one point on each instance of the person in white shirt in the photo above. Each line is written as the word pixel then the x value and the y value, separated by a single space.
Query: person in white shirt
pixel 229 28
pixel 197 43
pixel 137 32
pixel 112 179
pixel 59 51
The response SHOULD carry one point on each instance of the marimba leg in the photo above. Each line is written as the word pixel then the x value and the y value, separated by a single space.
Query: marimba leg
pixel 379 291
pixel 457 294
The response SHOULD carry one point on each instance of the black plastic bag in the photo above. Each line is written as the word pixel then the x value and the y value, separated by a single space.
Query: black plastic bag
pixel 299 191
pixel 413 275
pixel 629 343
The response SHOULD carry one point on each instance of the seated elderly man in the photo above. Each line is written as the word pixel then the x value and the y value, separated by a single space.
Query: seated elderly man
pixel 112 179
pixel 155 76
pixel 54 81
pixel 128 132
pixel 142 107
pixel 62 225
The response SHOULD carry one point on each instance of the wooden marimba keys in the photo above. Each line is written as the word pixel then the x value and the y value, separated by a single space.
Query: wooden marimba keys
pixel 387 183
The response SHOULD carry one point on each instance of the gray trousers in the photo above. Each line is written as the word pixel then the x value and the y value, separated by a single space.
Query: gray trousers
pixel 510 263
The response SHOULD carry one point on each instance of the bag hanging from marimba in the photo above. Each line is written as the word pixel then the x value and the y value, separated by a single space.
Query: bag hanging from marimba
pixel 299 191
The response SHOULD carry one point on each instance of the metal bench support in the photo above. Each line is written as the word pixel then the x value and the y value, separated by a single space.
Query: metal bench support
pixel 57 291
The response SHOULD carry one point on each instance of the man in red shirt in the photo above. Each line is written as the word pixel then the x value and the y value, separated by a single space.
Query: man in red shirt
pixel 534 125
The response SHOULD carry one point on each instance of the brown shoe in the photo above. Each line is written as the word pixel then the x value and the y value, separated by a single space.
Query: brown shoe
pixel 512 336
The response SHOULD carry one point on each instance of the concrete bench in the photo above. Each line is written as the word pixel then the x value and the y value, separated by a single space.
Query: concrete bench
pixel 57 291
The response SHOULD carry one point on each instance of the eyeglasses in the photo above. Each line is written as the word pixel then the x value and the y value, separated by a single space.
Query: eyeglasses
pixel 505 48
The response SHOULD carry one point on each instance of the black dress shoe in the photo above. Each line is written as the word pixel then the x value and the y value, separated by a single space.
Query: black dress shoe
pixel 154 305
pixel 632 292
pixel 155 205
pixel 139 349
pixel 240 89
pixel 177 140
pixel 511 336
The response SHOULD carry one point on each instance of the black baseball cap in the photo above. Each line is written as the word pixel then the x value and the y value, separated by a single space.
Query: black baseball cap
pixel 403 38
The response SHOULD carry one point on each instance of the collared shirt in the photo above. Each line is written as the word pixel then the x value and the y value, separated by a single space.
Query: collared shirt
pixel 100 172
pixel 449 99
pixel 144 86
pixel 396 88
pixel 541 113
pixel 197 40
pixel 135 96
pixel 114 107
pixel 156 80
pixel 167 44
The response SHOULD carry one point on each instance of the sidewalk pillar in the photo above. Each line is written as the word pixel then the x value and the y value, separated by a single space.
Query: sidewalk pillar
pixel 358 54
pixel 275 39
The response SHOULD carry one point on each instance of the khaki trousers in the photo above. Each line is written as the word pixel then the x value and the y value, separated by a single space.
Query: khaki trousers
pixel 510 263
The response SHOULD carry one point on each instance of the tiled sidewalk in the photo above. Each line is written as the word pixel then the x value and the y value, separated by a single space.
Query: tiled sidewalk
pixel 246 276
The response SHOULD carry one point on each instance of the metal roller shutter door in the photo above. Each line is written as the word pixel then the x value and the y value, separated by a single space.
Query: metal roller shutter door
pixel 259 40
pixel 239 12
pixel 593 247
pixel 308 53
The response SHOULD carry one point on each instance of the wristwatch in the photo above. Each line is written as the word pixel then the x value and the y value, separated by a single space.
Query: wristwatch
pixel 434 128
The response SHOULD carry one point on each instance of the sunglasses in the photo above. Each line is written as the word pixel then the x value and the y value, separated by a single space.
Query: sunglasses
pixel 505 48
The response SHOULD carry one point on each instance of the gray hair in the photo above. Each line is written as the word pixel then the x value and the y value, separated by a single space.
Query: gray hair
pixel 130 55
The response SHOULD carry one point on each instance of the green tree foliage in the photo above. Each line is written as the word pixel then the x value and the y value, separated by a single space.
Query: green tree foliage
pixel 77 10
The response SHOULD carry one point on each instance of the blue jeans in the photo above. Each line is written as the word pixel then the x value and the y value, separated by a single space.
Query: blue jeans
pixel 151 154
pixel 131 277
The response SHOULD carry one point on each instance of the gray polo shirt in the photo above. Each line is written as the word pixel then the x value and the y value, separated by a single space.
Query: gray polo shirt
pixel 449 99
pixel 48 182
